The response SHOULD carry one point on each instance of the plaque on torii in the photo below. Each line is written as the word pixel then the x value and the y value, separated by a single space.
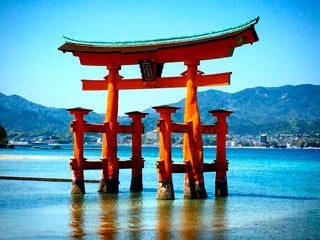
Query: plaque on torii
pixel 151 56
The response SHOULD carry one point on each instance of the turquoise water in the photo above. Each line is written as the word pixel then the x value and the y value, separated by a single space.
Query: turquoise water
pixel 273 194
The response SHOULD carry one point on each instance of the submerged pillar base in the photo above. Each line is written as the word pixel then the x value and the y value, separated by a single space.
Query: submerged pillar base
pixel 77 187
pixel 136 184
pixel 165 191
pixel 221 188
pixel 194 190
pixel 109 186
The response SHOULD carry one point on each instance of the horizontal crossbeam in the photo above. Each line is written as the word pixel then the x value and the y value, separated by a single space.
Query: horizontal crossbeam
pixel 182 167
pixel 185 167
pixel 103 128
pixel 127 164
pixel 164 82
pixel 94 165
pixel 208 129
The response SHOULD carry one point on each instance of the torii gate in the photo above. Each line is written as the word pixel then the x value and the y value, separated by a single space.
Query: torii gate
pixel 151 56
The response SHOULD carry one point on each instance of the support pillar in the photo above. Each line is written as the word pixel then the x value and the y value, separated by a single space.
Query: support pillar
pixel 137 160
pixel 192 141
pixel 164 165
pixel 221 184
pixel 109 182
pixel 77 161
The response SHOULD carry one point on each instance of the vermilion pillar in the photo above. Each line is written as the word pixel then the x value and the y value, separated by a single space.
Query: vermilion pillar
pixel 137 160
pixel 221 185
pixel 164 166
pixel 77 161
pixel 109 182
pixel 192 142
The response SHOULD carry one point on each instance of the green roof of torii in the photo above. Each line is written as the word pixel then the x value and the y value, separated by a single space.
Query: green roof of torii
pixel 177 49
pixel 165 40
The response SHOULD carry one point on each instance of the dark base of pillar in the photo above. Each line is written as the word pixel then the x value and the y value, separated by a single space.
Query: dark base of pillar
pixel 195 190
pixel 221 188
pixel 165 191
pixel 136 184
pixel 77 187
pixel 109 186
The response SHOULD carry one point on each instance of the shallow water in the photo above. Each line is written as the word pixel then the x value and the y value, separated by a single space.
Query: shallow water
pixel 273 193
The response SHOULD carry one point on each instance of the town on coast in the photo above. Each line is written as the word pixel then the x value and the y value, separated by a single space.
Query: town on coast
pixel 151 138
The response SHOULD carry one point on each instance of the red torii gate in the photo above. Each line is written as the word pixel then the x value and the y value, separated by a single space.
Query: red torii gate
pixel 151 56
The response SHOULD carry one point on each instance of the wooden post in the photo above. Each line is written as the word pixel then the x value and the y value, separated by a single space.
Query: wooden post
pixel 164 165
pixel 137 160
pixel 221 185
pixel 77 161
pixel 109 182
pixel 192 141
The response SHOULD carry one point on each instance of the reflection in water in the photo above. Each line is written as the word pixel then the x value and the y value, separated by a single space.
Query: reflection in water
pixel 135 216
pixel 191 218
pixel 108 216
pixel 204 219
pixel 76 216
pixel 136 220
pixel 220 219
pixel 164 217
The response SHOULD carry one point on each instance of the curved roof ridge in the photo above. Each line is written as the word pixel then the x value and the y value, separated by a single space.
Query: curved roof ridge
pixel 164 40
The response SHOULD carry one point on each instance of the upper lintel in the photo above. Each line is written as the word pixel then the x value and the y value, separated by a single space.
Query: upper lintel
pixel 200 47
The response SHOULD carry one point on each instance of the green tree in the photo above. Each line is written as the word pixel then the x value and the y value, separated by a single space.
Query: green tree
pixel 3 136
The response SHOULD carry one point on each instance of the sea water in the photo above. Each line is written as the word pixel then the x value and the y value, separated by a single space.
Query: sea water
pixel 273 194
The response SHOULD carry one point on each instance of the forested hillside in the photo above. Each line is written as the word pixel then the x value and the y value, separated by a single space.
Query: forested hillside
pixel 287 109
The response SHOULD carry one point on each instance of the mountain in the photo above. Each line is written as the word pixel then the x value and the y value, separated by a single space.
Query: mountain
pixel 279 109
pixel 22 117
pixel 257 109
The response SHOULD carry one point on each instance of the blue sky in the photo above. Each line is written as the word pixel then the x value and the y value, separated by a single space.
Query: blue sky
pixel 31 31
